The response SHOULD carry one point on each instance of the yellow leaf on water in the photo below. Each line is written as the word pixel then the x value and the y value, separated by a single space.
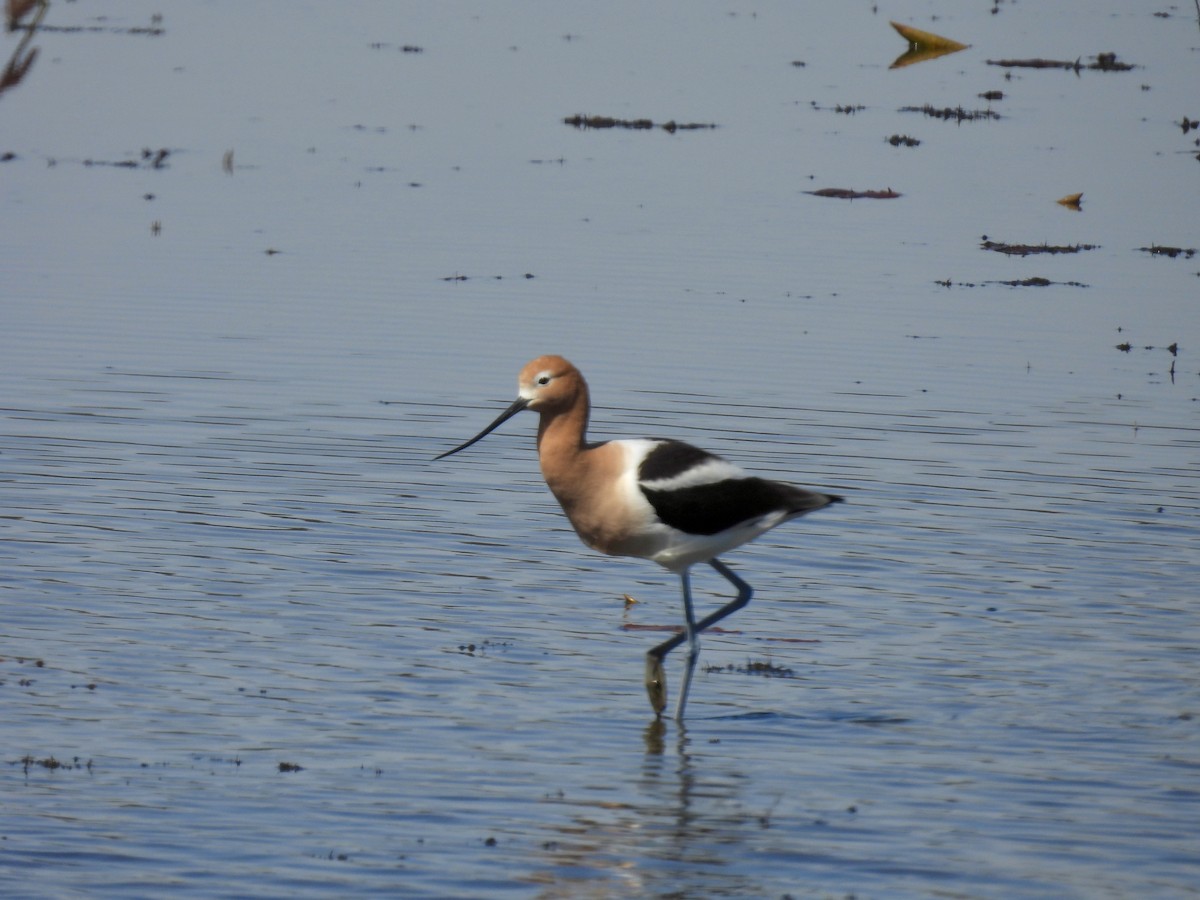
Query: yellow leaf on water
pixel 1072 201
pixel 927 40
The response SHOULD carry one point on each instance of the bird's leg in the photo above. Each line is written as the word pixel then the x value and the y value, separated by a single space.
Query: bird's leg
pixel 693 642
pixel 693 628
pixel 744 593
pixel 656 678
pixel 656 675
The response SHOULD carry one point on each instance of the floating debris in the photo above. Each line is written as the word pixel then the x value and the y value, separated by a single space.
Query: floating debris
pixel 1172 252
pixel 1103 62
pixel 848 109
pixel 926 39
pixel 1071 201
pixel 290 767
pixel 583 122
pixel 765 668
pixel 1030 249
pixel 1035 64
pixel 958 114
pixel 23 56
pixel 52 764
pixel 16 10
pixel 992 95
pixel 1172 348
pixel 580 121
pixel 847 194
pixel 484 647
pixel 923 45
pixel 150 159
pixel 526 276
pixel 902 140
pixel 1108 62
pixel 1035 281
pixel 153 30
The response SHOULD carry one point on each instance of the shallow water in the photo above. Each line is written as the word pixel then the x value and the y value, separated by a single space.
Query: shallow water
pixel 224 548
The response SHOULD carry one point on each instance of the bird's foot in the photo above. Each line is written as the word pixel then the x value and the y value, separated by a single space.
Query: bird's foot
pixel 656 683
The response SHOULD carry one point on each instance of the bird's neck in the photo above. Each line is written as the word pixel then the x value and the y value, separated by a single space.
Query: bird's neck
pixel 562 443
pixel 563 432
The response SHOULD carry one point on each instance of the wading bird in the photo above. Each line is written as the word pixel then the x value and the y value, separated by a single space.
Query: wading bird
pixel 653 498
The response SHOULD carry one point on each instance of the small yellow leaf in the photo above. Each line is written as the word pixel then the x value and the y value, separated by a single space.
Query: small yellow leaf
pixel 926 40
pixel 1072 201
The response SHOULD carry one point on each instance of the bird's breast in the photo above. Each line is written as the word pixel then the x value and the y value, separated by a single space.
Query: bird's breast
pixel 600 495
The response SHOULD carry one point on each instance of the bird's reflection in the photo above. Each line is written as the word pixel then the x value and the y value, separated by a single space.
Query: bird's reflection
pixel 680 835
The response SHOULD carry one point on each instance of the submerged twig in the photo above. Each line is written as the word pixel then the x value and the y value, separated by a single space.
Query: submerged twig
pixel 848 194
pixel 958 114
pixel 1029 249
pixel 581 121
pixel 1104 62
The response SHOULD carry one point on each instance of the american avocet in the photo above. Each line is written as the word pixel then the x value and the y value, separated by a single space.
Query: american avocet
pixel 657 499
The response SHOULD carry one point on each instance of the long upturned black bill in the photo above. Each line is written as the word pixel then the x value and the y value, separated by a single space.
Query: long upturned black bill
pixel 519 404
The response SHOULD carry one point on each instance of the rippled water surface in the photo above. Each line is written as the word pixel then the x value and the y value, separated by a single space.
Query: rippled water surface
pixel 254 642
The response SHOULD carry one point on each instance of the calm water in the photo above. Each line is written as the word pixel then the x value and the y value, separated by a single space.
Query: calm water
pixel 225 552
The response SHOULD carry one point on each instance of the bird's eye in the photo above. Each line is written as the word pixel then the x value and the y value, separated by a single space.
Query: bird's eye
pixel 544 378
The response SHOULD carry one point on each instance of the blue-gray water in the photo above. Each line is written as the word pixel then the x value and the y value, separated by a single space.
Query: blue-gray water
pixel 224 546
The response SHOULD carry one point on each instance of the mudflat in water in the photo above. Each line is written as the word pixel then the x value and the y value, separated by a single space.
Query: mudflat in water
pixel 261 264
